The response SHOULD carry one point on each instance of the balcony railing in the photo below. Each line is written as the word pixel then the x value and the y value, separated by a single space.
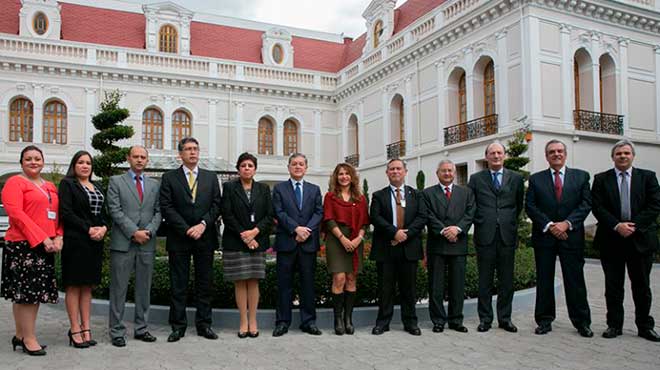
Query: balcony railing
pixel 396 150
pixel 476 128
pixel 603 123
pixel 353 160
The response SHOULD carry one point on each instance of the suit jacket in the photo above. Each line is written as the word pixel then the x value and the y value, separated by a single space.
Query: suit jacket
pixel 237 211
pixel 129 214
pixel 644 209
pixel 75 213
pixel 289 216
pixel 443 212
pixel 497 207
pixel 381 215
pixel 181 213
pixel 574 206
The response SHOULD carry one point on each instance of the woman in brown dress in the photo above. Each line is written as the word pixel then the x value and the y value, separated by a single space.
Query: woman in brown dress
pixel 346 220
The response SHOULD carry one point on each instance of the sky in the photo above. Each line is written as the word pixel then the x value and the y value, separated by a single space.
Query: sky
pixel 336 16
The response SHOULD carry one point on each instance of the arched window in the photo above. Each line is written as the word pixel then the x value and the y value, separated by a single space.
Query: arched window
pixel 607 84
pixel 378 32
pixel 167 39
pixel 55 123
pixel 40 23
pixel 576 78
pixel 181 126
pixel 489 89
pixel 20 120
pixel 290 137
pixel 266 136
pixel 462 99
pixel 152 129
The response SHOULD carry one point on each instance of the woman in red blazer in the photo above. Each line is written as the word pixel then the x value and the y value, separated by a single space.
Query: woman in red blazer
pixel 34 236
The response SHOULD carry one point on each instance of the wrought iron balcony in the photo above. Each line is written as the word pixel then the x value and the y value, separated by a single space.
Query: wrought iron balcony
pixel 598 122
pixel 476 128
pixel 353 160
pixel 396 150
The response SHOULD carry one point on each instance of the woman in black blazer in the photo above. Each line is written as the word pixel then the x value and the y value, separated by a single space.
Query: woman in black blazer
pixel 247 212
pixel 82 211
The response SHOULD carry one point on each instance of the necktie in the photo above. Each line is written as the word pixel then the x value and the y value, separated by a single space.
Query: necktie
pixel 625 197
pixel 496 180
pixel 399 210
pixel 298 195
pixel 558 187
pixel 191 184
pixel 447 192
pixel 138 187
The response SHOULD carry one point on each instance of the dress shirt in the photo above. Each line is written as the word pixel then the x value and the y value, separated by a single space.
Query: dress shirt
pixel 293 184
pixel 132 174
pixel 186 171
pixel 562 173
pixel 393 200
pixel 444 193
pixel 618 184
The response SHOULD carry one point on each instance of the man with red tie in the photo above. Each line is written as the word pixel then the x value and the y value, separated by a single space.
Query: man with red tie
pixel 558 201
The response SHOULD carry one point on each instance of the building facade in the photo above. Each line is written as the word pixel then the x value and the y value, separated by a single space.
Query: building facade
pixel 428 80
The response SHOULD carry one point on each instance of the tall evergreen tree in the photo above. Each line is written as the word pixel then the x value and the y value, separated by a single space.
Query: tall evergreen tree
pixel 515 161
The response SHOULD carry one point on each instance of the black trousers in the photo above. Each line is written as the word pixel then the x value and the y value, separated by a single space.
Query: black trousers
pixel 397 271
pixel 286 265
pixel 615 261
pixel 491 258
pixel 179 263
pixel 454 267
pixel 572 269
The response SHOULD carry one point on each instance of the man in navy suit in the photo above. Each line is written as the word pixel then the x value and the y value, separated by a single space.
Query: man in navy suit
pixel 558 201
pixel 299 212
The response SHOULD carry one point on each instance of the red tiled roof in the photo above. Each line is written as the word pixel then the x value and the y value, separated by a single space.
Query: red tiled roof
pixel 125 29
pixel 9 16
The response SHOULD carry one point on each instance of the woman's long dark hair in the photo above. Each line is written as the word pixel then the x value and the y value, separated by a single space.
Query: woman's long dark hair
pixel 71 172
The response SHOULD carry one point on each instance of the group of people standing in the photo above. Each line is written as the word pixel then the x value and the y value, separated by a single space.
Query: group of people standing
pixel 74 219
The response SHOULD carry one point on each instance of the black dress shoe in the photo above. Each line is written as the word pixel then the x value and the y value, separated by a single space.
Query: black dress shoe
pixel 508 326
pixel 145 337
pixel 311 329
pixel 612 333
pixel 413 330
pixel 36 352
pixel 585 331
pixel 458 327
pixel 438 328
pixel 253 334
pixel 119 342
pixel 280 330
pixel 378 330
pixel 649 334
pixel 175 335
pixel 207 333
pixel 242 334
pixel 543 329
pixel 483 327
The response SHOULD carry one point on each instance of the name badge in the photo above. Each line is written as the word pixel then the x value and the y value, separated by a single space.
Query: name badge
pixel 252 217
pixel 403 203
pixel 52 215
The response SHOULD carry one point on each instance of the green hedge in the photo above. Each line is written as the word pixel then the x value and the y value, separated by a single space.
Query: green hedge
pixel 223 294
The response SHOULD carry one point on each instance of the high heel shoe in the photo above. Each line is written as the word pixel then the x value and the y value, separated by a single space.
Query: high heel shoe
pixel 75 344
pixel 15 342
pixel 36 352
pixel 91 341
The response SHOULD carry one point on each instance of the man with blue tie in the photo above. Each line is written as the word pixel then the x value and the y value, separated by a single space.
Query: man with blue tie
pixel 558 200
pixel 299 212
pixel 498 193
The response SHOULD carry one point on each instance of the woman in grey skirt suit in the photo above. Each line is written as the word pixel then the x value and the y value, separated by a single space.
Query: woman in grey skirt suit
pixel 247 212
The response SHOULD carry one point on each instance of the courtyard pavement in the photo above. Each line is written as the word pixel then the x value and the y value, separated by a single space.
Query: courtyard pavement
pixel 563 348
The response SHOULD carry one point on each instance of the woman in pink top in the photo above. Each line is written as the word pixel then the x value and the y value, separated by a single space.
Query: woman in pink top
pixel 34 236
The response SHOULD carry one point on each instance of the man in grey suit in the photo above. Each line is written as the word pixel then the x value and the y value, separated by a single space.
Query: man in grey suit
pixel 498 193
pixel 134 207
pixel 449 217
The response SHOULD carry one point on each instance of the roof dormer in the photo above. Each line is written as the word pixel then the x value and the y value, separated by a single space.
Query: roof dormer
pixel 276 48
pixel 379 17
pixel 167 28
pixel 40 18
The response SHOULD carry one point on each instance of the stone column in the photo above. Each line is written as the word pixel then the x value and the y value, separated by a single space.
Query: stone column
pixel 167 123
pixel 443 119
pixel 568 83
pixel 533 89
pixel 469 82
pixel 213 145
pixel 622 84
pixel 37 113
pixel 317 138
pixel 385 108
pixel 90 111
pixel 239 128
pixel 361 132
pixel 502 80
pixel 408 119
pixel 279 143
pixel 657 90
pixel 343 123
pixel 595 71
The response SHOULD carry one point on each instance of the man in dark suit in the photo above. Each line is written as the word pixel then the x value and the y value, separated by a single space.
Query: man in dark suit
pixel 450 212
pixel 498 194
pixel 558 200
pixel 135 211
pixel 190 203
pixel 626 203
pixel 398 213
pixel 299 212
